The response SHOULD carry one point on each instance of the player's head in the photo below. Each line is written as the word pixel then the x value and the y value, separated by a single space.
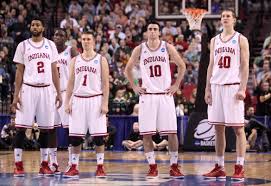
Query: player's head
pixel 153 30
pixel 87 39
pixel 228 18
pixel 60 36
pixel 37 27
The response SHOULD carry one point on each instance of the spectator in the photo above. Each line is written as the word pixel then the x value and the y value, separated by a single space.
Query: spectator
pixel 119 102
pixel 32 137
pixel 263 93
pixel 7 133
pixel 160 143
pixel 134 141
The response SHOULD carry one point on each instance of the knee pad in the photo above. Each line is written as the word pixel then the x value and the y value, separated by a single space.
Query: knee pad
pixel 98 140
pixel 75 141
pixel 43 139
pixel 19 139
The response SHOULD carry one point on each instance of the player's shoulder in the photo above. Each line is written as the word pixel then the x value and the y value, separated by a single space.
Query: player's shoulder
pixel 50 42
pixel 242 38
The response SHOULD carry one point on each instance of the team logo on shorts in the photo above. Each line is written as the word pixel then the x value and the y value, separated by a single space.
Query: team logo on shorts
pixel 96 61
pixel 233 41
pixel 162 49
pixel 66 53
pixel 46 47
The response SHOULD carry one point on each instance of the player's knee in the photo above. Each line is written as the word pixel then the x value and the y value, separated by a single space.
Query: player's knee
pixel 75 141
pixel 19 139
pixel 98 140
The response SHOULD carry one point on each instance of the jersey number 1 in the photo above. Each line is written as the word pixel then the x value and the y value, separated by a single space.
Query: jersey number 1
pixel 85 80
pixel 224 62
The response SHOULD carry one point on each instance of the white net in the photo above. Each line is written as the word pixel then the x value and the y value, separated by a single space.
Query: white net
pixel 194 17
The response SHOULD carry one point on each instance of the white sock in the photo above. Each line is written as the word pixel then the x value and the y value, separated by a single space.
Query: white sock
pixel 173 157
pixel 150 157
pixel 44 154
pixel 100 158
pixel 70 155
pixel 75 159
pixel 18 154
pixel 53 155
pixel 220 161
pixel 240 160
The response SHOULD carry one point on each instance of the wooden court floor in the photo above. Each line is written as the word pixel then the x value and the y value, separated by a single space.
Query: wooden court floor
pixel 129 168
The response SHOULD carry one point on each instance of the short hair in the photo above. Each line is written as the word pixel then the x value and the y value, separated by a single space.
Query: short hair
pixel 88 33
pixel 61 29
pixel 154 23
pixel 229 10
pixel 38 19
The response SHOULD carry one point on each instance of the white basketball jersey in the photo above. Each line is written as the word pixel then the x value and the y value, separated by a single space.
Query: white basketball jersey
pixel 155 69
pixel 88 77
pixel 63 67
pixel 226 60
pixel 37 61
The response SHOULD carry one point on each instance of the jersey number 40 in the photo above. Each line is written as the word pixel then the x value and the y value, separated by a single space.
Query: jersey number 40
pixel 224 62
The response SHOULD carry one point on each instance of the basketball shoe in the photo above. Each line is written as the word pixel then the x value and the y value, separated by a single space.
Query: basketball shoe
pixel 175 171
pixel 218 172
pixel 19 169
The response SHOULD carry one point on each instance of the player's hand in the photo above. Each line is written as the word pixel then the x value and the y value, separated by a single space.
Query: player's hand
pixel 16 104
pixel 68 108
pixel 104 108
pixel 58 101
pixel 208 97
pixel 139 90
pixel 240 95
pixel 172 89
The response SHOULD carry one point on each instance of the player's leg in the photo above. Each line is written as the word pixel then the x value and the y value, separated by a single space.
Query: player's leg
pixel 97 129
pixel 45 120
pixel 167 125
pixel 216 118
pixel 147 127
pixel 77 130
pixel 52 150
pixel 236 120
pixel 24 119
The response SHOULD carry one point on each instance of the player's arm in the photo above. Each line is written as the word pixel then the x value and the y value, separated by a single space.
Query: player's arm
pixel 70 87
pixel 174 55
pixel 244 66
pixel 208 96
pixel 105 85
pixel 134 59
pixel 55 77
pixel 74 52
pixel 19 59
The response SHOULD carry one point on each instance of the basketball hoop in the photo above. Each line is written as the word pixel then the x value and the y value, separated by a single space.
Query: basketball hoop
pixel 194 17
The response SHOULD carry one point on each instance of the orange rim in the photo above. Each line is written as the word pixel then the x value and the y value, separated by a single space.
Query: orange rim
pixel 194 11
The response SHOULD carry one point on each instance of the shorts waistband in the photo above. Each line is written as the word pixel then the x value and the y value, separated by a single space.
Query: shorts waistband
pixel 37 85
pixel 87 96
pixel 232 84
pixel 159 93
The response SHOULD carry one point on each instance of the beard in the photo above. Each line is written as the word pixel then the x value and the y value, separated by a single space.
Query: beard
pixel 36 34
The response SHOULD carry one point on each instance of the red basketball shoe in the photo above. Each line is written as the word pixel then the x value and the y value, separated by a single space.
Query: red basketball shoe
pixel 218 172
pixel 72 172
pixel 239 173
pixel 153 172
pixel 45 169
pixel 19 169
pixel 175 171
pixel 100 173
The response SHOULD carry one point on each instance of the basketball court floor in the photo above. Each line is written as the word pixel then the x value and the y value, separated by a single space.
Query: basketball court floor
pixel 129 168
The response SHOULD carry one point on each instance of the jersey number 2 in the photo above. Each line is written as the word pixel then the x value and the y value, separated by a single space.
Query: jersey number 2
pixel 224 62
pixel 40 67
pixel 155 71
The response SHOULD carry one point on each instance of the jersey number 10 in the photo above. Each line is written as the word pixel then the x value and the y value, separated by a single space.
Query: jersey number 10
pixel 155 71
pixel 224 62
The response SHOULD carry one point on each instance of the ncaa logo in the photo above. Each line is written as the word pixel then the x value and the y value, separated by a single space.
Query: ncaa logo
pixel 204 131
pixel 46 47
pixel 66 53
pixel 233 41
pixel 96 61
pixel 162 49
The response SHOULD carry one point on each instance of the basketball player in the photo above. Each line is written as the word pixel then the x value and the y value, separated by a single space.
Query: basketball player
pixel 89 84
pixel 225 91
pixel 156 104
pixel 36 60
pixel 66 53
